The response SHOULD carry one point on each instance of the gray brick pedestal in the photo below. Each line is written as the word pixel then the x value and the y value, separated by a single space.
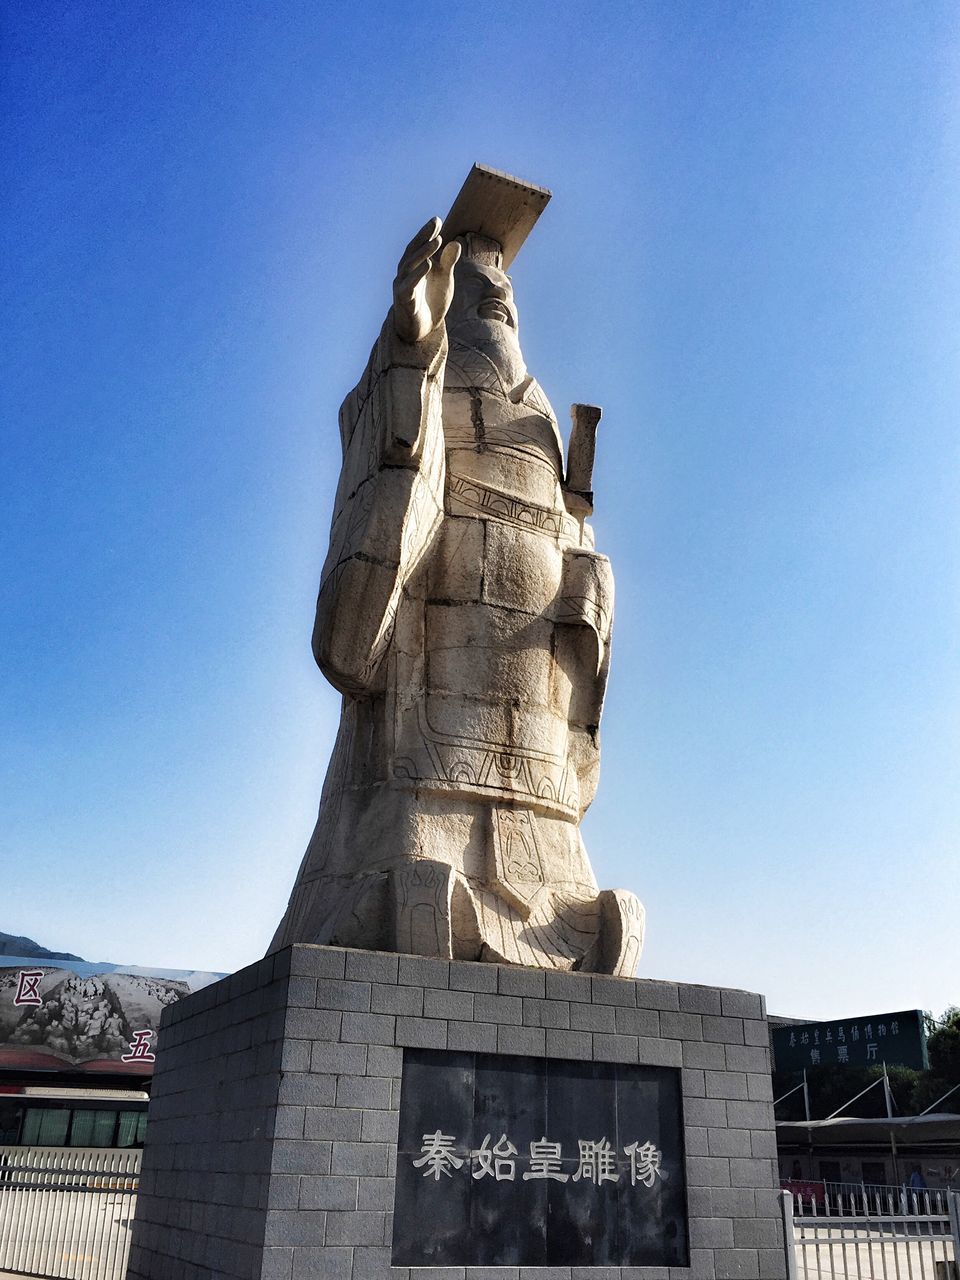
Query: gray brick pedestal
pixel 271 1144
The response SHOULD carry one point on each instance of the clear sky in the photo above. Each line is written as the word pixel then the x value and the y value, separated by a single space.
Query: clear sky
pixel 750 261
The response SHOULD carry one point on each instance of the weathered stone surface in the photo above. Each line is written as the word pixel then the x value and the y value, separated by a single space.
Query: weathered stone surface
pixel 466 618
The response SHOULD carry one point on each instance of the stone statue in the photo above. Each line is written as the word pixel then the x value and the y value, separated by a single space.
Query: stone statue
pixel 465 617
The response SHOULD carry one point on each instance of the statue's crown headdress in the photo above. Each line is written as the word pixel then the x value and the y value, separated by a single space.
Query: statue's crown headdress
pixel 493 214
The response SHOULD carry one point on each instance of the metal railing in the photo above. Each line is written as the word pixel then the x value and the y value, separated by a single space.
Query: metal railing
pixel 878 1197
pixel 66 1212
pixel 883 1233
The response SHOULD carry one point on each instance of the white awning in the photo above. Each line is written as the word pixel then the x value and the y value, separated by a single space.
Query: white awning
pixel 937 1127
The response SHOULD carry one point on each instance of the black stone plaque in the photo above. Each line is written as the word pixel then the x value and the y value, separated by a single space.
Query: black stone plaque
pixel 506 1161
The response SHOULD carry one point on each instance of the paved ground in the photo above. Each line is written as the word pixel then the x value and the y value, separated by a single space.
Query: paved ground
pixel 871 1258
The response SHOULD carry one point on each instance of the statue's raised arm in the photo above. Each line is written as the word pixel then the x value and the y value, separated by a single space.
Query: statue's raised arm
pixel 466 617
pixel 390 497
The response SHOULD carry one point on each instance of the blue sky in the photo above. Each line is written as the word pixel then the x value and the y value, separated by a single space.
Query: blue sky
pixel 750 261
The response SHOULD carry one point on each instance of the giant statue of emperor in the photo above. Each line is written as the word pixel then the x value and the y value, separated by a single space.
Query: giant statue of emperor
pixel 465 617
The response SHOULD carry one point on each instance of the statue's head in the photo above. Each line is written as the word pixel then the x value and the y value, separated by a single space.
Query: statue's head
pixel 483 314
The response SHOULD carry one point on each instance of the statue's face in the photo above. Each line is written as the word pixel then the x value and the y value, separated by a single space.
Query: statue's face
pixel 483 310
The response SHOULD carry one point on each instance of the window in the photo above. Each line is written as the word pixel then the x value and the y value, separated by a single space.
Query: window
pixel 874 1172
pixel 9 1121
pixel 830 1171
pixel 92 1128
pixel 45 1127
pixel 131 1128
pixel 53 1126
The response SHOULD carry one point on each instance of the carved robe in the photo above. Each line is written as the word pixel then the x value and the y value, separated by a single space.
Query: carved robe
pixel 465 617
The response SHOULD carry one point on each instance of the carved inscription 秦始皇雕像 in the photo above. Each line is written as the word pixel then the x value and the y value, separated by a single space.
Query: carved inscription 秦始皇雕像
pixel 560 1163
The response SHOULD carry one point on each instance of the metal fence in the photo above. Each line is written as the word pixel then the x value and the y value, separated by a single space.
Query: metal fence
pixel 66 1212
pixel 879 1233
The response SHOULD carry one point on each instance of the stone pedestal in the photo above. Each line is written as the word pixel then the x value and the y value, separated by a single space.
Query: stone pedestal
pixel 271 1149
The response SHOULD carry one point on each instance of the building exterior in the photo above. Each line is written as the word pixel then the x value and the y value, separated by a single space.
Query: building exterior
pixel 874 1152
pixel 77 1047
pixel 844 1149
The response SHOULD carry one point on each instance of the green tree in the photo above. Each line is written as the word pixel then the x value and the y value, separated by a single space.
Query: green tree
pixel 943 1049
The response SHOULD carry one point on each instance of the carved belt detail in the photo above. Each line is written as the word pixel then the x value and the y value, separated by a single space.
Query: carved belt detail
pixel 507 507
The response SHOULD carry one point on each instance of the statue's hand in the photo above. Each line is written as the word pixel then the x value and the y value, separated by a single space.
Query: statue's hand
pixel 423 288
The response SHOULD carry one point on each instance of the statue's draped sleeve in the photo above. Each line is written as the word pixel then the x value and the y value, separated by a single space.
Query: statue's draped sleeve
pixel 388 508
pixel 584 610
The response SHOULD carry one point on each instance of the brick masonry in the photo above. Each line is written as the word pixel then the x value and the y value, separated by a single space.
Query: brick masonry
pixel 271 1143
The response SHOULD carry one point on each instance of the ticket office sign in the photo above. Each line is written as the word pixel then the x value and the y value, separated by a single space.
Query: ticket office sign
pixel 897 1039
pixel 538 1162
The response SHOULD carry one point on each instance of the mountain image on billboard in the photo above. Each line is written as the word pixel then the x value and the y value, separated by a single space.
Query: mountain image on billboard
pixel 88 1016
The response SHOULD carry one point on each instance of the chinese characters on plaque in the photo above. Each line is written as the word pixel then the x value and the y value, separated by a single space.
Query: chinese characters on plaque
pixel 597 1160
pixel 537 1162
pixel 895 1038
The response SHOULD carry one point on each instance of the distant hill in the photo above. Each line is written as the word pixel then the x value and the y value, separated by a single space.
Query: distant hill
pixel 10 945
